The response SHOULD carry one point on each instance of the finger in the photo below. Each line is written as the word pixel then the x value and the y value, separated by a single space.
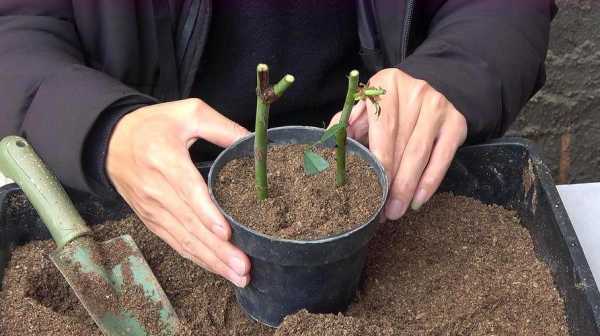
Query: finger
pixel 451 136
pixel 157 228
pixel 177 186
pixel 163 224
pixel 224 250
pixel 172 241
pixel 162 233
pixel 358 112
pixel 197 251
pixel 409 105
pixel 414 159
pixel 335 119
pixel 213 127
pixel 383 130
pixel 181 208
pixel 177 168
pixel 202 254
pixel 359 126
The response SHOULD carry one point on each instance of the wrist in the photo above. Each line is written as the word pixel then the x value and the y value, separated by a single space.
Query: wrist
pixel 98 146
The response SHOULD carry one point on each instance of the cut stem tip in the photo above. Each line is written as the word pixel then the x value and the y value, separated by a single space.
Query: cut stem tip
pixel 289 78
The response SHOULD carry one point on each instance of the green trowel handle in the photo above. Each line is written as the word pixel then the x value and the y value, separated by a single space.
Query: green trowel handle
pixel 19 162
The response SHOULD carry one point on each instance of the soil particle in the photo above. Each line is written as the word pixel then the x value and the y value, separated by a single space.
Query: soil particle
pixel 332 325
pixel 90 285
pixel 133 300
pixel 457 267
pixel 117 251
pixel 299 206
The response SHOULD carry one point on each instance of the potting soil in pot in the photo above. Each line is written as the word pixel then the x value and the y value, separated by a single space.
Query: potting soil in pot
pixel 299 206
pixel 457 267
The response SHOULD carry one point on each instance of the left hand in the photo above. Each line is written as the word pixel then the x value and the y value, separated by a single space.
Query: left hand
pixel 415 137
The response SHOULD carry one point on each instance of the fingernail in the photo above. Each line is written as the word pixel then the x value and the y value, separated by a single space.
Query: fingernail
pixel 419 199
pixel 241 282
pixel 395 209
pixel 238 266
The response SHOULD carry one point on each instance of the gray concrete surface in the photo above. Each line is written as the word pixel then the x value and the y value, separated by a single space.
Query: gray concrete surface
pixel 564 118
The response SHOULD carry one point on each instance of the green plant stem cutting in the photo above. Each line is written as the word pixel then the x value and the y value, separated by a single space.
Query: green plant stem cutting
pixel 265 96
pixel 340 138
pixel 314 163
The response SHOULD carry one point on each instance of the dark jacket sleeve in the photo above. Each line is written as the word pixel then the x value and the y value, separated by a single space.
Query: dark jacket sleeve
pixel 486 57
pixel 47 93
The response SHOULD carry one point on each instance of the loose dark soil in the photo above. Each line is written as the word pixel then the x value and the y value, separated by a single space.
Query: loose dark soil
pixel 457 267
pixel 299 206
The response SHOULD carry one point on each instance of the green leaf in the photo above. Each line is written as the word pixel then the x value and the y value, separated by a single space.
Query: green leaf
pixel 330 132
pixel 314 163
pixel 373 92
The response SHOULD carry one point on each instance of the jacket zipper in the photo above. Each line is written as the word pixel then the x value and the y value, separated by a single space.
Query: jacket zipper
pixel 192 58
pixel 191 15
pixel 410 7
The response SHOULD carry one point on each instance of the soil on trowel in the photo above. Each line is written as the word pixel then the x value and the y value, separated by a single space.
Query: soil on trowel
pixel 457 267
pixel 299 206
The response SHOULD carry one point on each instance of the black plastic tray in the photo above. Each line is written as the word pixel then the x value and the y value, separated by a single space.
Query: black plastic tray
pixel 508 172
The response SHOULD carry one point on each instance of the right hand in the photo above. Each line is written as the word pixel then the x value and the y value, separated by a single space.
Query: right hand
pixel 149 164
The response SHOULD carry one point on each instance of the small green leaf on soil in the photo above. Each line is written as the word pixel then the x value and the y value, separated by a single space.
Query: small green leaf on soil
pixel 314 163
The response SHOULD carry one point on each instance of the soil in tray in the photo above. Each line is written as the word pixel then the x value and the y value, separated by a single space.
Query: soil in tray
pixel 299 206
pixel 457 267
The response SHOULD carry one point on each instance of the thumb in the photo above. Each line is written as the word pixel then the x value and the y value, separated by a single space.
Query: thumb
pixel 215 128
pixel 357 114
pixel 359 122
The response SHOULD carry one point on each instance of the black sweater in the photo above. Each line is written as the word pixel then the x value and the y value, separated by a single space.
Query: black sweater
pixel 313 40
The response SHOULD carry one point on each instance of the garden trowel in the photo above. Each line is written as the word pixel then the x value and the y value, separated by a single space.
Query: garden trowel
pixel 111 279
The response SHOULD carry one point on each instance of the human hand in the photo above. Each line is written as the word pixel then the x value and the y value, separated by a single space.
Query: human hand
pixel 149 164
pixel 415 137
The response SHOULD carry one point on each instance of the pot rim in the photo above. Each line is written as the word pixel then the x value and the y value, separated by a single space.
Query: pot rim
pixel 378 169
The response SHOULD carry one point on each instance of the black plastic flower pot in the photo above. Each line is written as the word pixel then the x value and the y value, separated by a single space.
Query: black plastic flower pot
pixel 289 275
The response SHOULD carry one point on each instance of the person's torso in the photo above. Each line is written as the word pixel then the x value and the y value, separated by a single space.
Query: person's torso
pixel 158 46
pixel 314 40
